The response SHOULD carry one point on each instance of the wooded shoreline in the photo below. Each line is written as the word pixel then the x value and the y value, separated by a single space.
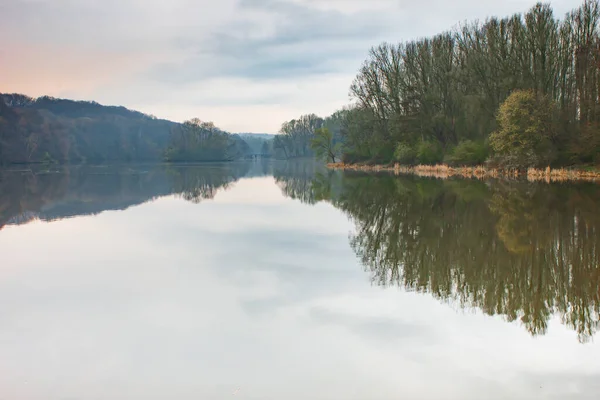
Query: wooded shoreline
pixel 513 92
pixel 443 171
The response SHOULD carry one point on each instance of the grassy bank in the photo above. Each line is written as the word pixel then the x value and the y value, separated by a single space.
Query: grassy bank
pixel 443 171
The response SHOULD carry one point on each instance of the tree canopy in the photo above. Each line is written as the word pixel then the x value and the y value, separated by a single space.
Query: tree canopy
pixel 525 130
pixel 324 146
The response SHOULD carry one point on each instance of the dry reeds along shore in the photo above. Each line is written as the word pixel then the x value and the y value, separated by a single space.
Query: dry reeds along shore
pixel 443 171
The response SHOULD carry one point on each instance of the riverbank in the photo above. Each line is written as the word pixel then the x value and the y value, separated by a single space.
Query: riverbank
pixel 443 171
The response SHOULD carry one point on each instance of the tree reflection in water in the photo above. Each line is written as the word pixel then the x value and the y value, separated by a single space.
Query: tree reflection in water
pixel 521 250
pixel 524 251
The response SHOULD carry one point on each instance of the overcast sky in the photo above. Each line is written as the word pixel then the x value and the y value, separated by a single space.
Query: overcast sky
pixel 247 65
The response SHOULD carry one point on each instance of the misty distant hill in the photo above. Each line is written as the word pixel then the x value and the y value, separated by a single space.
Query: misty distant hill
pixel 266 136
pixel 260 143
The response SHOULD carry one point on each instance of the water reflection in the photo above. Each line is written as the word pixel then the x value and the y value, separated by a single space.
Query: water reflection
pixel 52 194
pixel 297 180
pixel 197 184
pixel 524 251
pixel 30 194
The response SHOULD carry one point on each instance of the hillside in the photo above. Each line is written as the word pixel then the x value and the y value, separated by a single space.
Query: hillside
pixel 48 129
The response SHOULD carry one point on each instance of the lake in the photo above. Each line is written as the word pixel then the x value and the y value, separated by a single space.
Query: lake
pixel 275 280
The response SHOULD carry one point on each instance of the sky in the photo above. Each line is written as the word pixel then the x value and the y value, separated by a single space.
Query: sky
pixel 247 65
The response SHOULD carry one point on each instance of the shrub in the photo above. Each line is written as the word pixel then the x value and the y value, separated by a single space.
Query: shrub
pixel 405 154
pixel 526 129
pixel 469 153
pixel 429 153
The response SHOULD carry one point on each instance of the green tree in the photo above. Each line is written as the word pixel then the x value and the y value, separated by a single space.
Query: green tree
pixel 429 153
pixel 526 129
pixel 324 146
pixel 468 152
pixel 405 154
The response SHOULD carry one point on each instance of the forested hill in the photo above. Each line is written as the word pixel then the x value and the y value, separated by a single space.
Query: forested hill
pixel 48 129
pixel 71 108
pixel 260 143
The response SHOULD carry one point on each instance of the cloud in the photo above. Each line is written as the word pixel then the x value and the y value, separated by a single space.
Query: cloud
pixel 270 40
pixel 248 65
pixel 238 104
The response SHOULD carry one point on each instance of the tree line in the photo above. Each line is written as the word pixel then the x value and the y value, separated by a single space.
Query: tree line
pixel 518 91
pixel 311 135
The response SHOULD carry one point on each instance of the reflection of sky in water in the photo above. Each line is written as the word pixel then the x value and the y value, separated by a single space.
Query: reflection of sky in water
pixel 171 299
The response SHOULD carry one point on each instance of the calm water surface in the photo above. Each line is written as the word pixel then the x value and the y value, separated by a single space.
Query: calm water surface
pixel 286 281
